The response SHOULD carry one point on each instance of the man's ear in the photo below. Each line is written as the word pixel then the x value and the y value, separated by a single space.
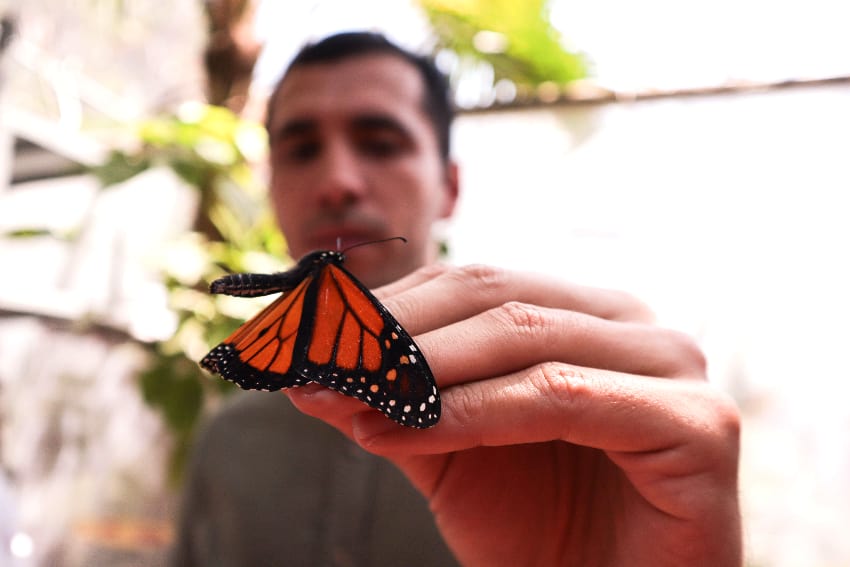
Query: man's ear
pixel 452 187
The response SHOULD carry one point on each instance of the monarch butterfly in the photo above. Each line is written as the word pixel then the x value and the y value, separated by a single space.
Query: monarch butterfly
pixel 327 328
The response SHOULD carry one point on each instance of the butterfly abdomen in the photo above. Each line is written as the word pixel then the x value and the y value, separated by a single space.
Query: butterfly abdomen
pixel 254 285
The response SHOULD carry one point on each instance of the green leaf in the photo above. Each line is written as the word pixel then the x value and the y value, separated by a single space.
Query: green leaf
pixel 516 38
pixel 120 167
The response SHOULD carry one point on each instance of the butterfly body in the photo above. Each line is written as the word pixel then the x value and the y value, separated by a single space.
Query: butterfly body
pixel 327 328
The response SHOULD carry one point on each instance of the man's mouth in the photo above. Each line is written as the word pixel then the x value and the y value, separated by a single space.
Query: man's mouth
pixel 342 237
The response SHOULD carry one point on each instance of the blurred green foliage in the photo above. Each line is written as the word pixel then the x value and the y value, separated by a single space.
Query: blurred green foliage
pixel 216 153
pixel 516 38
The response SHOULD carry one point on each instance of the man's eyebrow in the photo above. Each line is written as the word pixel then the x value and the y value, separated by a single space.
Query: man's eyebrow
pixel 379 122
pixel 293 128
pixel 301 126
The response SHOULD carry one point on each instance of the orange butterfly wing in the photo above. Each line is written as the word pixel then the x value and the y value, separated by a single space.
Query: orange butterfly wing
pixel 328 328
pixel 259 354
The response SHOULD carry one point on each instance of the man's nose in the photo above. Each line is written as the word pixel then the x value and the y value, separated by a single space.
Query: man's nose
pixel 341 180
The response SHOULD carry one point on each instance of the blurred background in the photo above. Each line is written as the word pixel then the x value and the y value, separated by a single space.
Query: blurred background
pixel 694 153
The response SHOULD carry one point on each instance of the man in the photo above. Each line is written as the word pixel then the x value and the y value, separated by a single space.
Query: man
pixel 359 150
pixel 574 432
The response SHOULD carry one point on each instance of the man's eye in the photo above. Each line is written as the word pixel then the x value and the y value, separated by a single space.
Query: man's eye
pixel 297 152
pixel 380 147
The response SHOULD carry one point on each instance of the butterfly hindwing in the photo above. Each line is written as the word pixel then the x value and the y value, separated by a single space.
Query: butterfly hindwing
pixel 326 328
pixel 259 354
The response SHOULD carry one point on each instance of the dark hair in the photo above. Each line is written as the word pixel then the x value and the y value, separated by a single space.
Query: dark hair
pixel 437 100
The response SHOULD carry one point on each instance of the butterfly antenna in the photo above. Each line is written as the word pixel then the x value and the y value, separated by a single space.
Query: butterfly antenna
pixel 403 239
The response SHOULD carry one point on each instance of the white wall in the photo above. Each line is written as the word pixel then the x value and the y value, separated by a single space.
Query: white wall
pixel 729 215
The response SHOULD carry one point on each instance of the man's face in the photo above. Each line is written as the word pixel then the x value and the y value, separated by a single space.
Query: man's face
pixel 354 157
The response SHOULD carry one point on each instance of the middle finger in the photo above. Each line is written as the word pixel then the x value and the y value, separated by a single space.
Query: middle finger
pixel 516 335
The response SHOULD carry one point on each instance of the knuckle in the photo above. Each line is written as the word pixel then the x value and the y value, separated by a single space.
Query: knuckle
pixel 561 383
pixel 523 319
pixel 466 405
pixel 482 278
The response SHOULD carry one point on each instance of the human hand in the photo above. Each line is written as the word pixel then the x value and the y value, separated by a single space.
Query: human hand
pixel 574 431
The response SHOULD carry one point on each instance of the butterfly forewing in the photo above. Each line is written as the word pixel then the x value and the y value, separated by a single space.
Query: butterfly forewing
pixel 327 328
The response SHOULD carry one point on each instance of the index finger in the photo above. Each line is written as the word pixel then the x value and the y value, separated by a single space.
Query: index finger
pixel 433 298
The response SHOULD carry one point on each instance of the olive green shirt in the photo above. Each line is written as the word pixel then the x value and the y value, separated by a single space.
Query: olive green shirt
pixel 267 485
